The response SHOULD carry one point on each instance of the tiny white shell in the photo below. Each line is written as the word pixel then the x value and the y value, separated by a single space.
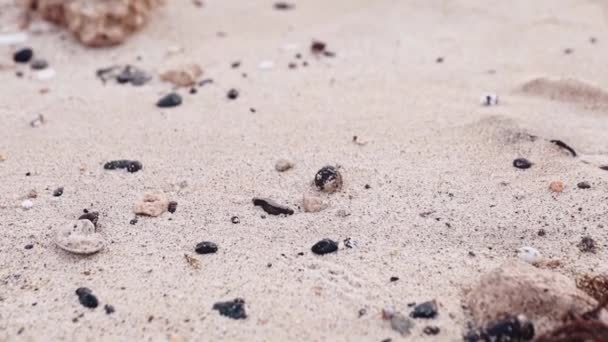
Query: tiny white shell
pixel 79 237
pixel 529 254
pixel 489 99
pixel 27 204
pixel 265 65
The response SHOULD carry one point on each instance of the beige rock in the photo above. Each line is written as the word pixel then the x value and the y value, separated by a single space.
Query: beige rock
pixel 153 204
pixel 184 75
pixel 313 203
pixel 557 186
pixel 283 165
pixel 543 296
pixel 95 22
pixel 2 157
pixel 79 237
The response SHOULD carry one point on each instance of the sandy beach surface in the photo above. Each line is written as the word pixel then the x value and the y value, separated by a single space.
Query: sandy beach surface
pixel 443 203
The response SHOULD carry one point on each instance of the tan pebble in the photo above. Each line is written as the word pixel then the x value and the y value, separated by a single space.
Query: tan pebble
pixel 557 186
pixel 176 338
pixel 32 194
pixel 312 203
pixel 153 204
pixel 184 75
pixel 79 237
pixel 283 165
pixel 2 157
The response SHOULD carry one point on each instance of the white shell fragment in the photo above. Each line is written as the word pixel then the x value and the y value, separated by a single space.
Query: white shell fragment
pixel 153 204
pixel 45 74
pixel 529 254
pixel 265 65
pixel 79 237
pixel 489 100
pixel 27 204
pixel 313 203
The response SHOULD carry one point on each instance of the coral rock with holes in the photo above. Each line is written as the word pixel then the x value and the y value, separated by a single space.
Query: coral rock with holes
pixel 79 237
pixel 96 22
pixel 153 204
pixel 544 296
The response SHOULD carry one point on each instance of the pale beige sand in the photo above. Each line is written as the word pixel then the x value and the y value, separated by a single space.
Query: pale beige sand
pixel 432 148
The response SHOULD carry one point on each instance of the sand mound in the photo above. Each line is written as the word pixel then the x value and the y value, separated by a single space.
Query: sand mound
pixel 568 90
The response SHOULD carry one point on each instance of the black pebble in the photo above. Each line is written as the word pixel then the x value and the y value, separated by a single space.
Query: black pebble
pixel 425 310
pixel 328 176
pixel 272 207
pixel 39 64
pixel 522 163
pixel 130 165
pixel 394 278
pixel 87 298
pixel 439 60
pixel 431 330
pixel 367 186
pixel 133 221
pixel 232 94
pixel 317 47
pixel 23 56
pixel 587 245
pixel 583 185
pixel 172 207
pixel 30 246
pixel 109 309
pixel 283 6
pixel 205 247
pixel 541 232
pixel 92 216
pixel 324 246
pixel 169 100
pixel 234 309
pixel 235 220
pixel 58 192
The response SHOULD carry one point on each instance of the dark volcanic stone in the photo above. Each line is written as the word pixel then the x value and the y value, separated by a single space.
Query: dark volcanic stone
pixel 93 216
pixel 172 207
pixel 29 246
pixel 87 298
pixel 235 220
pixel 232 94
pixel 130 165
pixel 522 163
pixel 234 309
pixel 317 47
pixel 169 100
pixel 39 64
pixel 23 56
pixel 394 278
pixel 324 246
pixel 109 309
pixel 272 207
pixel 205 247
pixel 328 179
pixel 58 192
pixel 583 185
pixel 425 310
pixel 509 329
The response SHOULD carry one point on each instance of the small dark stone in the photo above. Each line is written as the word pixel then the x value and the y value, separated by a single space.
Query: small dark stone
pixel 511 328
pixel 583 185
pixel 58 192
pixel 362 312
pixel 205 82
pixel 272 207
pixel 472 254
pixel 252 110
pixel 235 220
pixel 232 94
pixel 394 279
pixel 587 245
pixel 29 246
pixel 27 174
pixel 431 330
pixel 324 246
pixel 172 207
pixel 86 298
pixel 328 179
pixel 367 186
pixel 522 163
pixel 205 247
pixel 109 309
pixel 439 60
pixel 39 64
pixel 541 232
pixel 317 47
pixel 387 340
pixel 234 309
pixel 23 56
pixel 124 74
pixel 235 65
pixel 133 221
pixel 348 243
pixel 193 91
pixel 130 165
pixel 604 167
pixel 292 65
pixel 425 310
pixel 283 6
pixel 169 100
pixel 92 216
pixel 568 51
pixel 19 74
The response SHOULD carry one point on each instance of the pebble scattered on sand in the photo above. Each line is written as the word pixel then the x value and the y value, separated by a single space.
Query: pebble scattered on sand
pixel 489 100
pixel 109 309
pixel 205 247
pixel 235 220
pixel 328 179
pixel 123 74
pixel 324 246
pixel 312 203
pixel 152 204
pixel 511 328
pixel 557 186
pixel 271 207
pixel 170 100
pixel 401 324
pixel 185 75
pixel 58 192
pixel 28 246
pixel 587 245
pixel 39 64
pixel 23 55
pixel 130 165
pixel 425 310
pixel 522 163
pixel 431 330
pixel 529 254
pixel 38 121
pixel 232 94
pixel 283 6
pixel 234 309
pixel 79 237
pixel 583 185
pixel 87 298
pixel 283 165
pixel 27 204
pixel 172 207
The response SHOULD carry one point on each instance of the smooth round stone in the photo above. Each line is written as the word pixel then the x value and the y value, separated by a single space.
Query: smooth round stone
pixel 79 237
pixel 23 56
pixel 324 246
